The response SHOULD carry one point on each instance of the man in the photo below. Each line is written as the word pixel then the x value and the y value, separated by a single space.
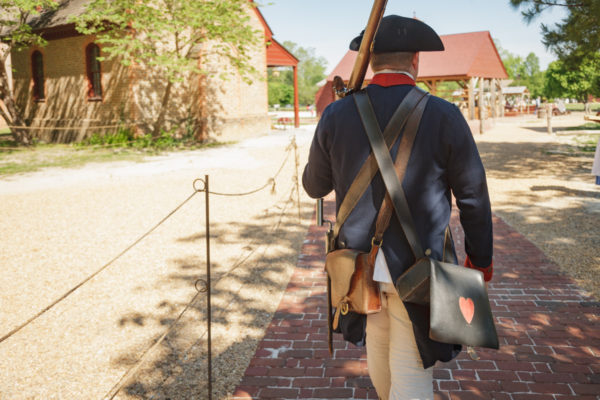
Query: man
pixel 444 161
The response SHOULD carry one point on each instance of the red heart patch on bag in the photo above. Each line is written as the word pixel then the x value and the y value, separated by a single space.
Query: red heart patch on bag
pixel 467 308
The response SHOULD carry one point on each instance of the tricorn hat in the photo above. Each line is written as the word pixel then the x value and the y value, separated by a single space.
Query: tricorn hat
pixel 396 33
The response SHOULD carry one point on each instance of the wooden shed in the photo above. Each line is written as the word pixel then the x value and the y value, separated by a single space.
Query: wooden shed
pixel 279 56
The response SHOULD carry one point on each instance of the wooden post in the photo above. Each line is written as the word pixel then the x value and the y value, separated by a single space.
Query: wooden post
pixel 296 105
pixel 472 98
pixel 501 99
pixel 434 88
pixel 494 99
pixel 481 102
pixel 549 117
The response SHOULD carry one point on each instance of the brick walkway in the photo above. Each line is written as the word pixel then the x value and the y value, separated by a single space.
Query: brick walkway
pixel 549 334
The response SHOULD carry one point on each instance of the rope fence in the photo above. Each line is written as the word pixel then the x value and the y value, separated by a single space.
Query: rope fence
pixel 123 382
pixel 291 150
pixel 62 128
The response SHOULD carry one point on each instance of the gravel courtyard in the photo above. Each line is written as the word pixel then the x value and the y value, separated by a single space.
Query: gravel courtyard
pixel 59 226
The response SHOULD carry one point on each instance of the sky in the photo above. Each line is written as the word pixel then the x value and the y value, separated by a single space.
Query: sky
pixel 328 26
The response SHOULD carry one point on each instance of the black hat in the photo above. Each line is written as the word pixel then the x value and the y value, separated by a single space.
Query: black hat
pixel 396 33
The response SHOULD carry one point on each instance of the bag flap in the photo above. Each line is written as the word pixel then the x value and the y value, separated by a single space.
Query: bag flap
pixel 413 277
pixel 340 265
pixel 460 308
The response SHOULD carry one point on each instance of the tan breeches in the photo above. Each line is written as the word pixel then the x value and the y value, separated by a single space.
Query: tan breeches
pixel 393 359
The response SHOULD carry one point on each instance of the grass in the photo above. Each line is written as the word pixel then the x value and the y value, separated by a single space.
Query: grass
pixel 586 144
pixel 584 127
pixel 580 107
pixel 118 147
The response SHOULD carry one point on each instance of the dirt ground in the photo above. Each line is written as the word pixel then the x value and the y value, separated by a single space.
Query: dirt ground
pixel 545 193
pixel 59 226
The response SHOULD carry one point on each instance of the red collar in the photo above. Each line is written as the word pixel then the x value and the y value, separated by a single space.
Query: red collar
pixel 392 79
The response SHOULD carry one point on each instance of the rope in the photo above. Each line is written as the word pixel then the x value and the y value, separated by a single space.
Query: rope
pixel 133 370
pixel 65 295
pixel 226 308
pixel 62 128
pixel 271 181
pixel 123 381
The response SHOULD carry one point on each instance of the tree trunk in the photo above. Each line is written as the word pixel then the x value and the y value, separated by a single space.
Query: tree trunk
pixel 10 112
pixel 163 111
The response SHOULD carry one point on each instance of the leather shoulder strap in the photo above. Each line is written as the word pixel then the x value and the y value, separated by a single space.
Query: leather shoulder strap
pixel 369 169
pixel 388 172
pixel 402 157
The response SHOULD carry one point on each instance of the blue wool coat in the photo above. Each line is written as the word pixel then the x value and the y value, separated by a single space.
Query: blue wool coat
pixel 444 161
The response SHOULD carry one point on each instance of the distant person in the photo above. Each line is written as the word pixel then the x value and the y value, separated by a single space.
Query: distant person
pixel 596 164
pixel 560 106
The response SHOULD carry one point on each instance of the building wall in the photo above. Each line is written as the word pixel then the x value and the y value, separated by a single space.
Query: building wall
pixel 230 107
pixel 206 106
pixel 67 114
pixel 148 87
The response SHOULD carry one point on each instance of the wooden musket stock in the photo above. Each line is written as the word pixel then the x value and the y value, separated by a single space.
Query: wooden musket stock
pixel 364 53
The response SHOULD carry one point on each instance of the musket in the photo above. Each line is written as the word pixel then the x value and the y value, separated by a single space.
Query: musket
pixel 354 83
pixel 364 53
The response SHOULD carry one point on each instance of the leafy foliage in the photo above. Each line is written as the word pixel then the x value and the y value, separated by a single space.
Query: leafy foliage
pixel 169 34
pixel 125 138
pixel 562 80
pixel 523 71
pixel 311 70
pixel 16 33
pixel 279 92
pixel 576 36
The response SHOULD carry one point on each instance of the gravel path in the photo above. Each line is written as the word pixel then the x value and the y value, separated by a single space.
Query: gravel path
pixel 59 226
pixel 550 198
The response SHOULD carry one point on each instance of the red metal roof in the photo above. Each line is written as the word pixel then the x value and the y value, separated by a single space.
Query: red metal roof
pixel 465 55
pixel 263 21
pixel 278 56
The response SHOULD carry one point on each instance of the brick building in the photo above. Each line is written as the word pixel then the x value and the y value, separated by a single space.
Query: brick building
pixel 67 94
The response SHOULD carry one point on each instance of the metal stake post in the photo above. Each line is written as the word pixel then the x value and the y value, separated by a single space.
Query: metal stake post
pixel 549 117
pixel 208 311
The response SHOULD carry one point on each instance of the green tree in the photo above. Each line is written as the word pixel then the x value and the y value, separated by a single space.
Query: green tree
pixel 523 71
pixel 311 70
pixel 281 91
pixel 563 80
pixel 17 35
pixel 166 35
pixel 576 36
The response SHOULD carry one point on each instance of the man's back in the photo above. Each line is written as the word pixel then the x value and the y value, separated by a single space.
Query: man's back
pixel 444 157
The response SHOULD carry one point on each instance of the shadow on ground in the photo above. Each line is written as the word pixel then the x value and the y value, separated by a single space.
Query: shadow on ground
pixel 524 160
pixel 245 295
pixel 560 218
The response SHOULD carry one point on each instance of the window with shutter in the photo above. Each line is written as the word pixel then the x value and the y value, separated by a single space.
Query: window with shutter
pixel 94 72
pixel 37 72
